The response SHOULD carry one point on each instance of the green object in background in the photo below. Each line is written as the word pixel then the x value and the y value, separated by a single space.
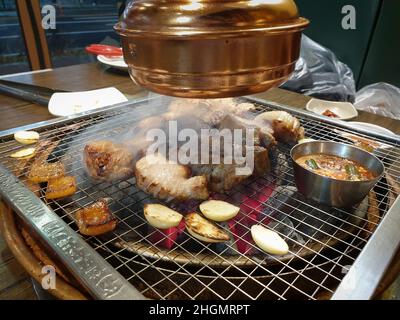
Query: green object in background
pixel 383 59
pixel 350 46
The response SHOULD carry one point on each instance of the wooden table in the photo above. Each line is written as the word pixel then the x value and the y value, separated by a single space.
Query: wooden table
pixel 16 112
pixel 14 282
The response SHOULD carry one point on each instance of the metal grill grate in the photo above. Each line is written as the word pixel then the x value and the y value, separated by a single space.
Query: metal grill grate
pixel 324 242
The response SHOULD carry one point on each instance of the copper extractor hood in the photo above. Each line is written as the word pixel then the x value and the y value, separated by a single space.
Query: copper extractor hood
pixel 210 48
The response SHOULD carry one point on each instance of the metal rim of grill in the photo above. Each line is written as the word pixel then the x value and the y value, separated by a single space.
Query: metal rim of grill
pixel 318 265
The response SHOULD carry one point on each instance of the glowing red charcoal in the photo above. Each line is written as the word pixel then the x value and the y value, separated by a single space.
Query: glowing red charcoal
pixel 250 213
pixel 167 238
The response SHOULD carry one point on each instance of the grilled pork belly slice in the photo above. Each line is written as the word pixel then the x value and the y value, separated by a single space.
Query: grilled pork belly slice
pixel 263 133
pixel 43 171
pixel 220 177
pixel 262 164
pixel 286 128
pixel 223 177
pixel 96 219
pixel 210 111
pixel 168 180
pixel 61 187
pixel 106 160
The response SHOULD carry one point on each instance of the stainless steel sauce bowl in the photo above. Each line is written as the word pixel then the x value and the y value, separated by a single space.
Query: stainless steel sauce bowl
pixel 329 191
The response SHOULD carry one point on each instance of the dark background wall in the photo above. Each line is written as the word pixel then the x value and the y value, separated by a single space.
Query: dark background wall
pixel 383 59
pixel 372 50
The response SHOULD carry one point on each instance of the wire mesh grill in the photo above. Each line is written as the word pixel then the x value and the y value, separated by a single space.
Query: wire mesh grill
pixel 324 242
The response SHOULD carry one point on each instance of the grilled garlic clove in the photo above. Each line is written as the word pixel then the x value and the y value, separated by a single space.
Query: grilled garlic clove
pixel 204 230
pixel 218 210
pixel 161 217
pixel 268 240
pixel 26 137
pixel 23 153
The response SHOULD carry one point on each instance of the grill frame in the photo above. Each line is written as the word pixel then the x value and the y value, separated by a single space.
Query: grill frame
pixel 386 225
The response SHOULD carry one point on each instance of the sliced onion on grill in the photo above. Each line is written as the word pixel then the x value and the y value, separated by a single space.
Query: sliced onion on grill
pixel 161 217
pixel 218 210
pixel 269 240
pixel 26 137
pixel 204 230
pixel 23 153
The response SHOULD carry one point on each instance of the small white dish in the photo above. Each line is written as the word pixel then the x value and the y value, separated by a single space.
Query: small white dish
pixel 117 63
pixel 344 110
pixel 68 103
pixel 371 127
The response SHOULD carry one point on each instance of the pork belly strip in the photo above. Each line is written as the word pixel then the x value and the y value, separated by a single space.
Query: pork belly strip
pixel 223 177
pixel 286 128
pixel 263 132
pixel 209 111
pixel 167 180
pixel 106 160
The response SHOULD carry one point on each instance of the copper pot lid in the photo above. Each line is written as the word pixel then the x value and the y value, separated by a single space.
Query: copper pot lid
pixel 210 48
pixel 213 17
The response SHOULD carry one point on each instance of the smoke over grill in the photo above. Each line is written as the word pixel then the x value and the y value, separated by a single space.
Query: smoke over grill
pixel 125 159
pixel 182 149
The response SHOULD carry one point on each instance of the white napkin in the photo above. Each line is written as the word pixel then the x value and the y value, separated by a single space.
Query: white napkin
pixel 69 103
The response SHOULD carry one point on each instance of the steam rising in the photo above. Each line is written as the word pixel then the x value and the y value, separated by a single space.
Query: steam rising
pixel 185 131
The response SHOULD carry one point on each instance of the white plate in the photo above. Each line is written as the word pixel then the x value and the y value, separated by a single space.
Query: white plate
pixel 371 127
pixel 117 63
pixel 69 103
pixel 345 110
